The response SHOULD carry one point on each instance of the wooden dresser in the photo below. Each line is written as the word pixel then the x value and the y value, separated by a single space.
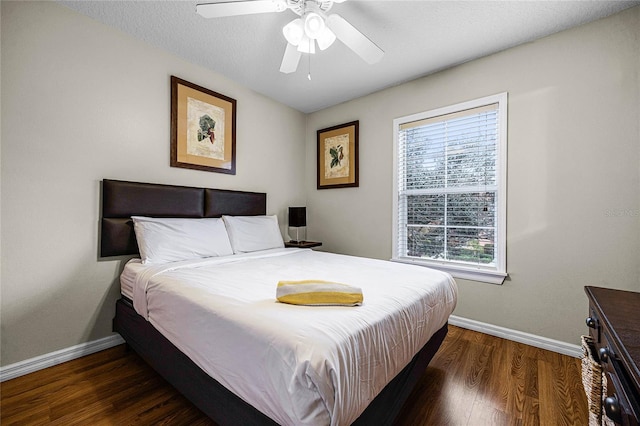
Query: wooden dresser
pixel 614 325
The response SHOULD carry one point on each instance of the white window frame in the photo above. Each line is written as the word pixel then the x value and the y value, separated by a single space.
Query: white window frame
pixel 491 274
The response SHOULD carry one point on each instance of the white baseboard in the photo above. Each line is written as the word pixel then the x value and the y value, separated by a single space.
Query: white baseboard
pixel 518 336
pixel 58 357
pixel 41 362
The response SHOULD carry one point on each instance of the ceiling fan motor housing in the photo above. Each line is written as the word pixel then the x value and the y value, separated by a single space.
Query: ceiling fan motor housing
pixel 300 7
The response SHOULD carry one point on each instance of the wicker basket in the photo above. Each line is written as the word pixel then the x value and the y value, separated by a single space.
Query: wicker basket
pixel 592 380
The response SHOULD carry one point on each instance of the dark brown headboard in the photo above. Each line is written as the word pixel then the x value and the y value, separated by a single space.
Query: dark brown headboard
pixel 121 200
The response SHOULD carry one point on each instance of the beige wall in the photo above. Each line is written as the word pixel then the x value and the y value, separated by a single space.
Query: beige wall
pixel 82 102
pixel 573 174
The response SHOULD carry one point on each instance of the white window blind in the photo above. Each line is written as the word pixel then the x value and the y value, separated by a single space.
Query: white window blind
pixel 449 207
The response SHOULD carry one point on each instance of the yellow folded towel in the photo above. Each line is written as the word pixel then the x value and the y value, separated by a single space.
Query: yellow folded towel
pixel 318 293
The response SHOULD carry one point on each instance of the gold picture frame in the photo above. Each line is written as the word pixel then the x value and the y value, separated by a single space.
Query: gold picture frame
pixel 203 128
pixel 338 156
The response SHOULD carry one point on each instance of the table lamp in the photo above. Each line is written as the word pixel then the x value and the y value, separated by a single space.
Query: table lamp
pixel 298 219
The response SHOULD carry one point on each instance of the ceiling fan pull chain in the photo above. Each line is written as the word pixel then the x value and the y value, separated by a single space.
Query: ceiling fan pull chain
pixel 309 74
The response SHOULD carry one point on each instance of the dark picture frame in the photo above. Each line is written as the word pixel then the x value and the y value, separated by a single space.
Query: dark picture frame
pixel 203 128
pixel 338 156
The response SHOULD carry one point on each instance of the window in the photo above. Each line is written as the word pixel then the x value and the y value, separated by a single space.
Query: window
pixel 450 189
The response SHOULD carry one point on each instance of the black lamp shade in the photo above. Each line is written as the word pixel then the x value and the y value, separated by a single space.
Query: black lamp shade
pixel 297 216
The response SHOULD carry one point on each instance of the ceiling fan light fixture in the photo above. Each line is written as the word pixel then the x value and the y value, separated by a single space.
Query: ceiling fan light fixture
pixel 307 45
pixel 314 25
pixel 294 31
pixel 326 39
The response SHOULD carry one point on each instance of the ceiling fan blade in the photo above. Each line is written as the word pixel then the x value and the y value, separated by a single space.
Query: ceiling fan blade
pixel 233 8
pixel 354 39
pixel 290 59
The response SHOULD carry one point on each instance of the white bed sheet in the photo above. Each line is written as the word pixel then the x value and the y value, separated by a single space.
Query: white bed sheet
pixel 128 277
pixel 299 365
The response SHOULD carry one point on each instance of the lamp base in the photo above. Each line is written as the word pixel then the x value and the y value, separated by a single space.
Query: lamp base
pixel 297 239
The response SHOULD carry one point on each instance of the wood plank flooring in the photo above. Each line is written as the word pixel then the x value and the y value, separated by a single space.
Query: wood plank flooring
pixel 475 379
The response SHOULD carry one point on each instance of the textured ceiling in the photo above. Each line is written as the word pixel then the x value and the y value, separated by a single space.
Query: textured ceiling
pixel 418 37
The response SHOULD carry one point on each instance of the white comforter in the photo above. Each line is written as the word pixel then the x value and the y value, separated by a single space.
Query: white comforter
pixel 299 365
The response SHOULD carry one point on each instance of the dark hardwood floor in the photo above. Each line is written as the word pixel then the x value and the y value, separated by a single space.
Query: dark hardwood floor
pixel 475 379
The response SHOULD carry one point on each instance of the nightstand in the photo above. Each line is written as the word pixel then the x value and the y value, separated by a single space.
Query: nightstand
pixel 302 244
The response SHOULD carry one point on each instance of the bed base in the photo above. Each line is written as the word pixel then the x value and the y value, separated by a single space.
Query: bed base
pixel 224 407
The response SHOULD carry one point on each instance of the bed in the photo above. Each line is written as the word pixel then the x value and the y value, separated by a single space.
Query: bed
pixel 282 364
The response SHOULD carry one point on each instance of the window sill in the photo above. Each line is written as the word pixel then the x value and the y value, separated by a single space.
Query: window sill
pixel 473 274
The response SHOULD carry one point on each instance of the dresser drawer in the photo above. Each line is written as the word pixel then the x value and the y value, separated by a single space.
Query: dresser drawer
pixel 618 404
pixel 612 320
pixel 593 322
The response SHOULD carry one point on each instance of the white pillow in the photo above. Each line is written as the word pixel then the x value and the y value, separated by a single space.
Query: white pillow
pixel 253 233
pixel 163 240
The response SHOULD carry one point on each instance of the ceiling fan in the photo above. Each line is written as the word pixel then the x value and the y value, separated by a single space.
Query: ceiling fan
pixel 312 27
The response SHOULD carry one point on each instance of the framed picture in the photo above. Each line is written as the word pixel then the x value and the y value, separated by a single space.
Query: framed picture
pixel 338 156
pixel 203 128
